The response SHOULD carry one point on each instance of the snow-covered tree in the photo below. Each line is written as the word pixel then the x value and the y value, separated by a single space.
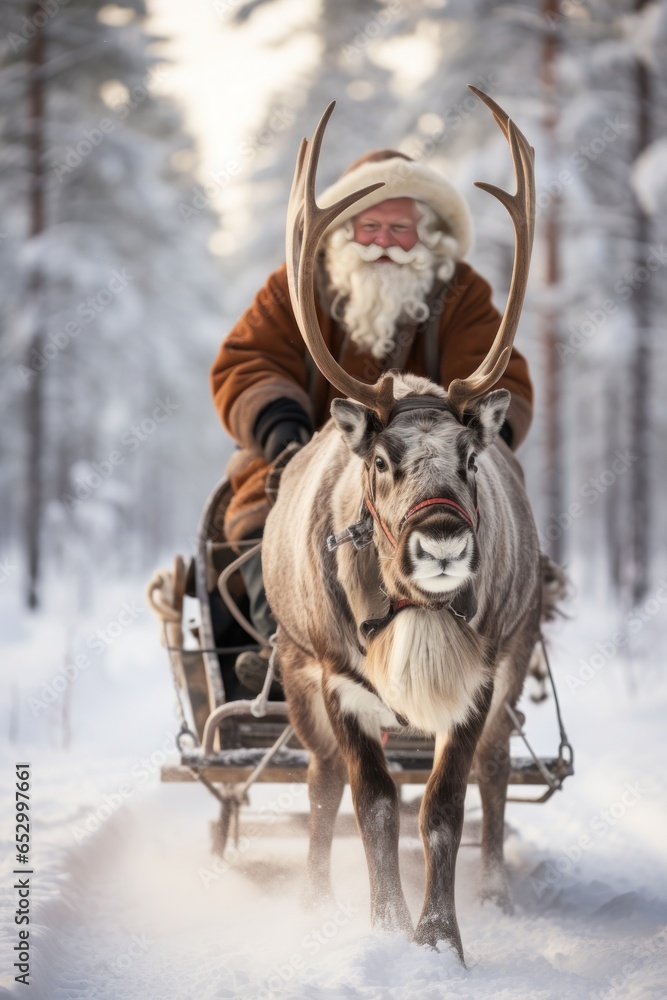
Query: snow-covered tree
pixel 112 308
pixel 341 38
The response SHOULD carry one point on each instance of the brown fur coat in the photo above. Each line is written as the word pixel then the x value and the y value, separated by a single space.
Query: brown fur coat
pixel 264 358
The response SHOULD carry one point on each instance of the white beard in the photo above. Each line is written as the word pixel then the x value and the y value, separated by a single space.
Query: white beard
pixel 372 297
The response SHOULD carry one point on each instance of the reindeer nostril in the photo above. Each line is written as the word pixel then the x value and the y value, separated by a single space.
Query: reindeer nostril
pixel 444 552
pixel 422 553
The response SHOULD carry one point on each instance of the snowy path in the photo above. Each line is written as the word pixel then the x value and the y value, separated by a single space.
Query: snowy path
pixel 137 910
pixel 149 918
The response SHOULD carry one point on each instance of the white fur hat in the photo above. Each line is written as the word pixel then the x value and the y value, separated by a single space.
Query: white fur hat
pixel 403 178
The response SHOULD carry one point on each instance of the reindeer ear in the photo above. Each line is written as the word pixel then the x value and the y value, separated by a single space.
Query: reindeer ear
pixel 357 424
pixel 487 418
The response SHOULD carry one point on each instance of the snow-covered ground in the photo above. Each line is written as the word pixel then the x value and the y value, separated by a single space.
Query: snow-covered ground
pixel 128 902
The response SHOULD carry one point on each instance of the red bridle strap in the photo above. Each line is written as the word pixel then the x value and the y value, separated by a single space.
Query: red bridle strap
pixel 433 501
pixel 439 501
pixel 378 520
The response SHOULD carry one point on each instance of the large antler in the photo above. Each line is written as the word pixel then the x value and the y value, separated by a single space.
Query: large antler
pixel 306 224
pixel 521 208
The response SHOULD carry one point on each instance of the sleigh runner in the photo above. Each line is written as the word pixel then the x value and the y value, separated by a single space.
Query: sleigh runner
pixel 229 739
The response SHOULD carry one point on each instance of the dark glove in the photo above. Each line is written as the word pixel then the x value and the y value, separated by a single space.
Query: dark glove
pixel 279 424
pixel 282 435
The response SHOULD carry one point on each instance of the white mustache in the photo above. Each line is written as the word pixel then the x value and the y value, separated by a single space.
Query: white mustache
pixel 396 254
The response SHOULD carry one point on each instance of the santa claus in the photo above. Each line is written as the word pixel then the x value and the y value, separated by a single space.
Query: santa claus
pixel 393 291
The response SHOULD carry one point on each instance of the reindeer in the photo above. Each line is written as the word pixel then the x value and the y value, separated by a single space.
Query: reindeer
pixel 429 618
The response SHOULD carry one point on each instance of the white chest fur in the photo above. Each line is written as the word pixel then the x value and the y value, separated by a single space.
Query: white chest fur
pixel 427 666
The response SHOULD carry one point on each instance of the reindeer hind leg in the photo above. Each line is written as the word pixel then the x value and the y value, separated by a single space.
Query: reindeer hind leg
pixel 326 783
pixel 492 765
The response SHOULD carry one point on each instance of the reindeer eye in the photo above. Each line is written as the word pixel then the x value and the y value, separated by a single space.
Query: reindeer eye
pixel 472 464
pixel 380 464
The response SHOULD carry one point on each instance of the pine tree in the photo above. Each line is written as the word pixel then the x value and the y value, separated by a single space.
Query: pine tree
pixel 112 312
pixel 348 36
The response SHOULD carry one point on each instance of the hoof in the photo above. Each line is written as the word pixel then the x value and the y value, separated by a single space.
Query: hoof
pixel 494 888
pixel 502 900
pixel 431 933
pixel 395 919
pixel 316 897
pixel 405 926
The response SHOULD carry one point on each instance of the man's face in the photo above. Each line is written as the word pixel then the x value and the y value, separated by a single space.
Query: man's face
pixel 391 223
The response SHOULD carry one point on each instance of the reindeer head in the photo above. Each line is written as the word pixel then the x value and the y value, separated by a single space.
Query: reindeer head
pixel 418 442
pixel 420 483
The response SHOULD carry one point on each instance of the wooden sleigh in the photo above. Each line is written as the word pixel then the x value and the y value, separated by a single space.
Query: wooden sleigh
pixel 228 738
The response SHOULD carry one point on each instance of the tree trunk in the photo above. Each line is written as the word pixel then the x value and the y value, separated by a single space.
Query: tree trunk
pixel 550 321
pixel 615 499
pixel 640 486
pixel 34 403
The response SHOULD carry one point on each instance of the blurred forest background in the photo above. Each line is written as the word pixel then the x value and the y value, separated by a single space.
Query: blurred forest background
pixel 123 261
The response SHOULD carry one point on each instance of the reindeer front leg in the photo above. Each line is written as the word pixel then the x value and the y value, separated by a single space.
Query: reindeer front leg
pixel 375 799
pixel 441 824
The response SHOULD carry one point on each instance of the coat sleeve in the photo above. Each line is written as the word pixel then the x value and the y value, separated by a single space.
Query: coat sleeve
pixel 467 332
pixel 262 359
